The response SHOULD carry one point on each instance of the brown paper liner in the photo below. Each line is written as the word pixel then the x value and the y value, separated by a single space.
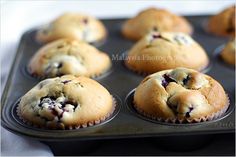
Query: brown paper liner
pixel 203 69
pixel 85 125
pixel 177 120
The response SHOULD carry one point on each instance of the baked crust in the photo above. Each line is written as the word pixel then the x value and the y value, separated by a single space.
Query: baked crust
pixel 153 19
pixel 180 95
pixel 165 50
pixel 66 56
pixel 223 24
pixel 73 26
pixel 228 53
pixel 66 102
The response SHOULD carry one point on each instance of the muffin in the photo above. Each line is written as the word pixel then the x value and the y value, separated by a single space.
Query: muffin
pixel 65 56
pixel 166 50
pixel 73 26
pixel 154 19
pixel 66 102
pixel 223 24
pixel 180 96
pixel 228 53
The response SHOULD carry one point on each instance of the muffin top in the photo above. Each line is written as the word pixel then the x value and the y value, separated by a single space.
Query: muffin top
pixel 180 95
pixel 66 102
pixel 154 19
pixel 228 53
pixel 166 50
pixel 66 56
pixel 223 24
pixel 73 26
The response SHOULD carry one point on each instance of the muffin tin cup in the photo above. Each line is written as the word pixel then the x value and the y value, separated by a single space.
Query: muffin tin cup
pixel 102 120
pixel 28 129
pixel 208 119
pixel 216 56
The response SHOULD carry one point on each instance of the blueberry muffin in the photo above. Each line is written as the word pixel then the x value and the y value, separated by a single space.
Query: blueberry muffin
pixel 228 53
pixel 65 56
pixel 154 19
pixel 66 102
pixel 180 95
pixel 223 24
pixel 73 26
pixel 166 50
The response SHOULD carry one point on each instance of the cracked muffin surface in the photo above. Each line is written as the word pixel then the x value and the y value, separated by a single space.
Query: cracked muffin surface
pixel 223 24
pixel 73 26
pixel 228 53
pixel 166 50
pixel 66 56
pixel 66 102
pixel 154 19
pixel 180 95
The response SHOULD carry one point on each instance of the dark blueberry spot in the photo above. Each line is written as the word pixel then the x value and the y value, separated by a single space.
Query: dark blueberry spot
pixel 166 80
pixel 156 36
pixel 155 28
pixel 66 81
pixel 187 115
pixel 60 65
pixel 61 115
pixel 54 112
pixel 40 105
pixel 185 81
pixel 72 103
pixel 85 21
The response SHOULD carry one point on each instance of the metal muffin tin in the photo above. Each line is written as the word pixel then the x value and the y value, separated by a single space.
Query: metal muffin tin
pixel 120 81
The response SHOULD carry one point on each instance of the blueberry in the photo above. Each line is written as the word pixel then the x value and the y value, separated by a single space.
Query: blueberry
pixel 66 81
pixel 187 114
pixel 60 65
pixel 185 81
pixel 156 36
pixel 166 80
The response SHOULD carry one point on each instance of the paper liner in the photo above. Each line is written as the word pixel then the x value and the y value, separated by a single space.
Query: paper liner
pixel 85 125
pixel 136 71
pixel 205 69
pixel 177 120
pixel 92 76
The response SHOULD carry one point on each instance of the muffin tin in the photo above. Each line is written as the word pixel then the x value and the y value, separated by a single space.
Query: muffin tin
pixel 120 81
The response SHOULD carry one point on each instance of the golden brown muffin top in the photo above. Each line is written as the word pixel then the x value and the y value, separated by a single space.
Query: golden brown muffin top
pixel 66 102
pixel 180 93
pixel 73 26
pixel 65 56
pixel 154 19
